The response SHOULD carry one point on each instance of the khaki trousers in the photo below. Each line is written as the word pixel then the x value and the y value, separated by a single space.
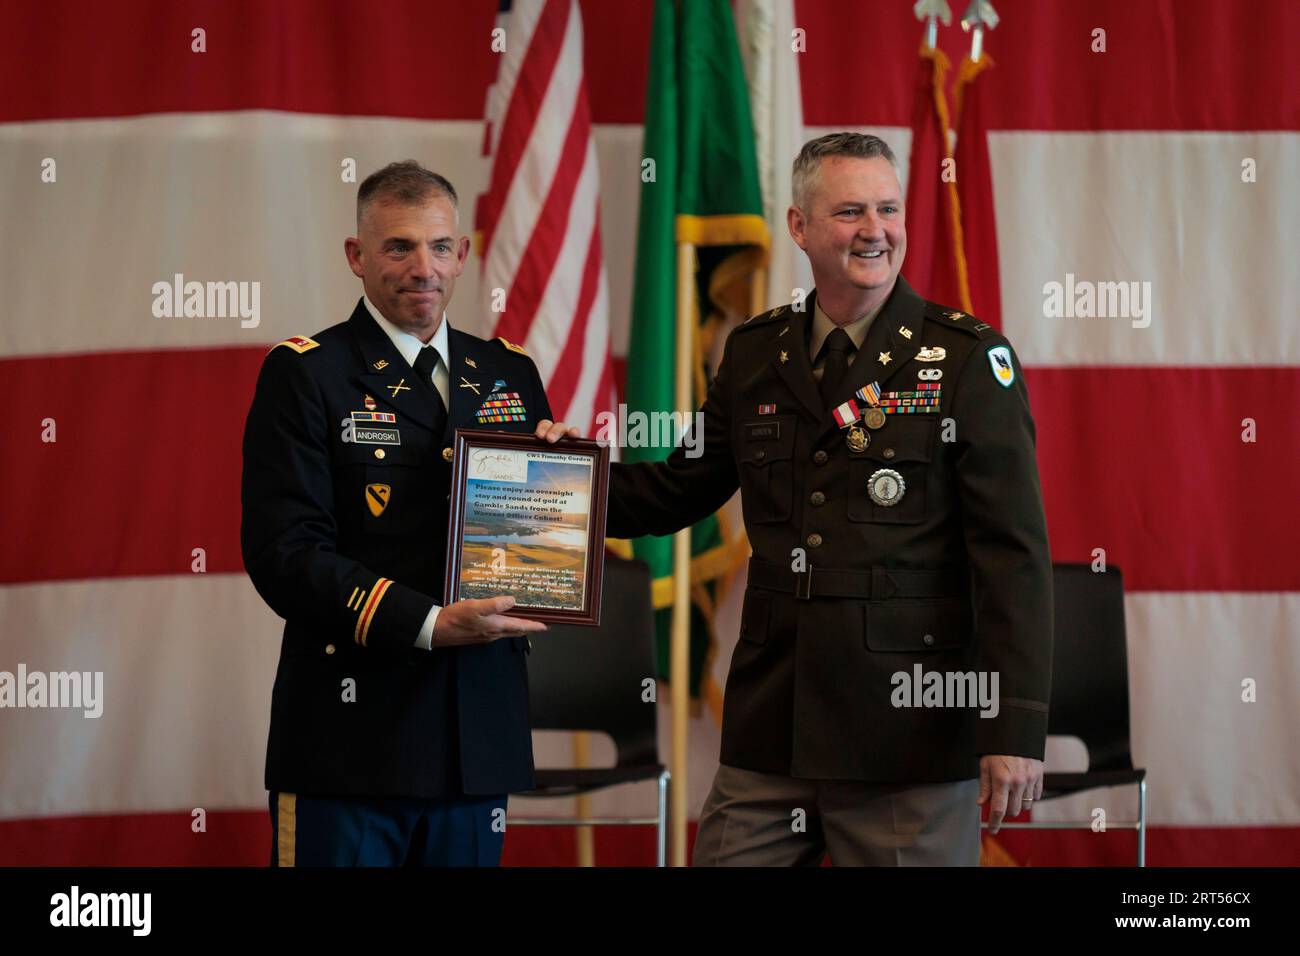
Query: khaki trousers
pixel 754 819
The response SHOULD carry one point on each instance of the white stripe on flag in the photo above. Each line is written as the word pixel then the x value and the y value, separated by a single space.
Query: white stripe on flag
pixel 1166 209
pixel 187 664
pixel 595 355
pixel 519 24
pixel 1211 758
pixel 549 332
pixel 527 192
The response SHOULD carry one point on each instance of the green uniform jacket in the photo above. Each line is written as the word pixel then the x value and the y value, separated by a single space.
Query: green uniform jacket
pixel 948 572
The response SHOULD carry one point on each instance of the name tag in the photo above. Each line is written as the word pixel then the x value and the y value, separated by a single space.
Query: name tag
pixel 377 436
pixel 762 431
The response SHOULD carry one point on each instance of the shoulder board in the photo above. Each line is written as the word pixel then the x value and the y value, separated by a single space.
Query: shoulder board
pixel 769 315
pixel 299 343
pixel 511 345
pixel 955 318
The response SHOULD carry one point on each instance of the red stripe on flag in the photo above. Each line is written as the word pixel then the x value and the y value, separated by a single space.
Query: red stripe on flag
pixel 305 56
pixel 1144 462
pixel 568 372
pixel 1152 75
pixel 935 263
pixel 975 189
pixel 145 466
pixel 243 838
pixel 521 113
pixel 1149 464
pixel 83 58
pixel 549 232
pixel 606 397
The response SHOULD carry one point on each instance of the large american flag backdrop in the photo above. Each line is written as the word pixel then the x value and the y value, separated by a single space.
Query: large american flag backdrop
pixel 130 157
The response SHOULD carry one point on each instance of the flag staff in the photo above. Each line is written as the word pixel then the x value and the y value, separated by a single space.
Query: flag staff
pixel 679 677
pixel 979 14
pixel 932 11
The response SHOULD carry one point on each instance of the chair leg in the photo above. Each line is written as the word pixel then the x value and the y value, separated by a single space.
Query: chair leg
pixel 1142 823
pixel 661 832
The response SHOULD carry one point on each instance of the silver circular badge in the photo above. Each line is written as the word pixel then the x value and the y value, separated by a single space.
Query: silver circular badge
pixel 886 487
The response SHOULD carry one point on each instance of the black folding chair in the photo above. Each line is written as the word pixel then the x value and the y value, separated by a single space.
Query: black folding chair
pixel 1090 692
pixel 591 678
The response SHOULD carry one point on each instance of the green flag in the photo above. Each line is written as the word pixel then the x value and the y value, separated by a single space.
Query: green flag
pixel 700 185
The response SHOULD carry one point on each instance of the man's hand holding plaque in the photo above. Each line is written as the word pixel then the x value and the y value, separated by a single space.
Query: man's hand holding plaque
pixel 528 522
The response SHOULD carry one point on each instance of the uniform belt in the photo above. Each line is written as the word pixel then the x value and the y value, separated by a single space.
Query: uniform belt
pixel 872 584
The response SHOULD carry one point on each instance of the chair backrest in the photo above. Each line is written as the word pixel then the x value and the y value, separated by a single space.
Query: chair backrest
pixel 1090 664
pixel 590 678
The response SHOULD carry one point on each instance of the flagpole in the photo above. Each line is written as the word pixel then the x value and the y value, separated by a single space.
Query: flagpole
pixel 757 292
pixel 583 839
pixel 932 11
pixel 679 652
pixel 979 14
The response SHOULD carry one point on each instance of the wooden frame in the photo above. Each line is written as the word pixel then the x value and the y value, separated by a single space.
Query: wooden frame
pixel 498 459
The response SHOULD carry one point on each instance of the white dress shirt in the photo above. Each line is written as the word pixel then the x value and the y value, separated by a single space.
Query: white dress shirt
pixel 409 347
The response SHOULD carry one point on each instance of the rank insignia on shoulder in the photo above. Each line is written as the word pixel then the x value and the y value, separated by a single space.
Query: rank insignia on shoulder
pixel 299 343
pixel 1000 362
pixel 956 316
pixel 511 345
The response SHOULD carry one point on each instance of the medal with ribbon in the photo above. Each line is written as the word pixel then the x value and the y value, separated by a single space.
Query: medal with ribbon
pixel 846 416
pixel 874 416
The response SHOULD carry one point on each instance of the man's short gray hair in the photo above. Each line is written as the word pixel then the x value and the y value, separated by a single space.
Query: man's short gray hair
pixel 808 162
pixel 405 183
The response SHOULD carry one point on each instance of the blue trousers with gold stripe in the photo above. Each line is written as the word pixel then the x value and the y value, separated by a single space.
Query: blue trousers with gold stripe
pixel 309 830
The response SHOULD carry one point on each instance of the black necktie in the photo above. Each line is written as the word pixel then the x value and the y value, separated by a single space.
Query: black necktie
pixel 836 349
pixel 425 363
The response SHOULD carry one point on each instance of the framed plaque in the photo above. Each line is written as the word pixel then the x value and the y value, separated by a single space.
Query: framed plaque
pixel 528 519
